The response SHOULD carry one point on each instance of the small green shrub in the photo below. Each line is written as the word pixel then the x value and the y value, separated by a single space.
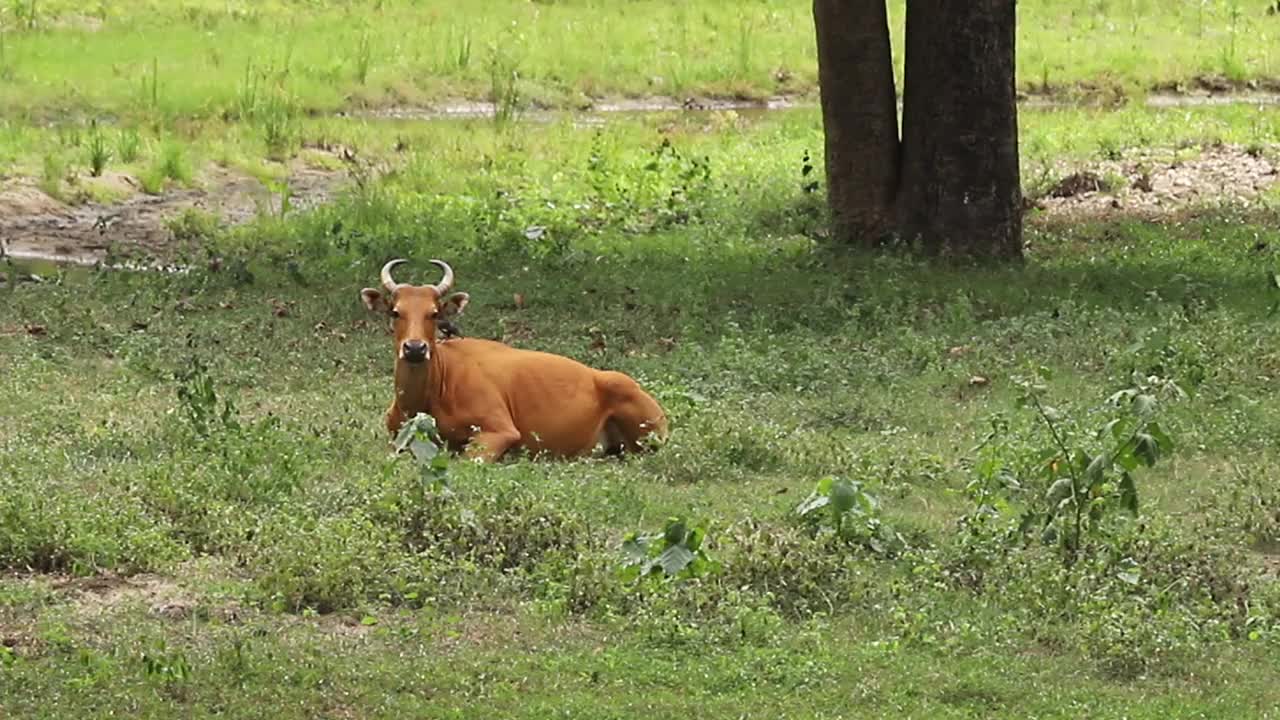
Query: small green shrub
pixel 674 553
pixel 800 573
pixel 198 401
pixel 842 507
pixel 326 563
pixel 169 668
pixel 1087 485
pixel 421 438
pixel 194 225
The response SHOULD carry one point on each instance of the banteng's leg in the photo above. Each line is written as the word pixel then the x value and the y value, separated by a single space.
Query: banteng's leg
pixel 612 440
pixel 395 419
pixel 490 445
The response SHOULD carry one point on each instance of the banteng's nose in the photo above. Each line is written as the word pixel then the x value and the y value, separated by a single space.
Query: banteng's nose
pixel 414 350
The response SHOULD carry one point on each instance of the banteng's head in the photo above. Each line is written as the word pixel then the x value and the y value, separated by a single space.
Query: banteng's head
pixel 415 310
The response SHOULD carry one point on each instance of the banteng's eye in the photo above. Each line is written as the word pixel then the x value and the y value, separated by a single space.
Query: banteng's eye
pixel 395 314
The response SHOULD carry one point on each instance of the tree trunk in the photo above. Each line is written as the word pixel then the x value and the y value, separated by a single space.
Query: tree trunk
pixel 960 189
pixel 859 115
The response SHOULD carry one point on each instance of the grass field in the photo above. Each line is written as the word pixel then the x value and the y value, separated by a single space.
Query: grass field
pixel 199 514
pixel 208 57
pixel 161 92
pixel 282 550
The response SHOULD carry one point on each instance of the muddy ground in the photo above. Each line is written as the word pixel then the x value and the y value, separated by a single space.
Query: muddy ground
pixel 35 226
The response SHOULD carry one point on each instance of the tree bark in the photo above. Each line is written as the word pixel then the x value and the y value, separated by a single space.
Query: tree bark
pixel 960 189
pixel 859 116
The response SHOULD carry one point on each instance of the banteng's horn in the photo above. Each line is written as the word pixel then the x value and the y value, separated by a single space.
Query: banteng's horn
pixel 387 282
pixel 446 283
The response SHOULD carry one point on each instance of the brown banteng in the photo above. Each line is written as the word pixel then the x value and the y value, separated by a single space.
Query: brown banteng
pixel 490 397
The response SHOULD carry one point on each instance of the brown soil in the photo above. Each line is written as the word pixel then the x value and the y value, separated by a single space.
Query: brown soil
pixel 101 595
pixel 35 226
pixel 1157 183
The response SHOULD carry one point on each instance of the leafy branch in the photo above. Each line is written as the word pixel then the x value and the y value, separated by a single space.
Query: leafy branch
pixel 421 438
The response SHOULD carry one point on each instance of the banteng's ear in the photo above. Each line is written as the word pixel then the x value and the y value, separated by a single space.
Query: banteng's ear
pixel 454 304
pixel 374 300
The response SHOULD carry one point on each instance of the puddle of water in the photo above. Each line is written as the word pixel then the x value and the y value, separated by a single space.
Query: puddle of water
pixel 38 263
pixel 1169 101
pixel 635 106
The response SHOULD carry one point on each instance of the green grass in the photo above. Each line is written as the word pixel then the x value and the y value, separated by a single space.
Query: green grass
pixel 199 514
pixel 196 58
pixel 313 576
pixel 453 154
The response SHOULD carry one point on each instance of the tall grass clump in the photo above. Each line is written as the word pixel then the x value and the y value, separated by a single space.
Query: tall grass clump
pixel 277 117
pixel 459 48
pixel 52 173
pixel 745 47
pixel 1231 65
pixel 363 58
pixel 128 145
pixel 151 86
pixel 171 165
pixel 272 109
pixel 99 151
pixel 247 92
pixel 6 67
pixel 504 90
pixel 26 12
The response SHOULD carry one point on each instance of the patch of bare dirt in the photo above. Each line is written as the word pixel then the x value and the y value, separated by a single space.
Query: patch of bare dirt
pixel 101 595
pixel 1153 183
pixel 34 225
pixel 1079 183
